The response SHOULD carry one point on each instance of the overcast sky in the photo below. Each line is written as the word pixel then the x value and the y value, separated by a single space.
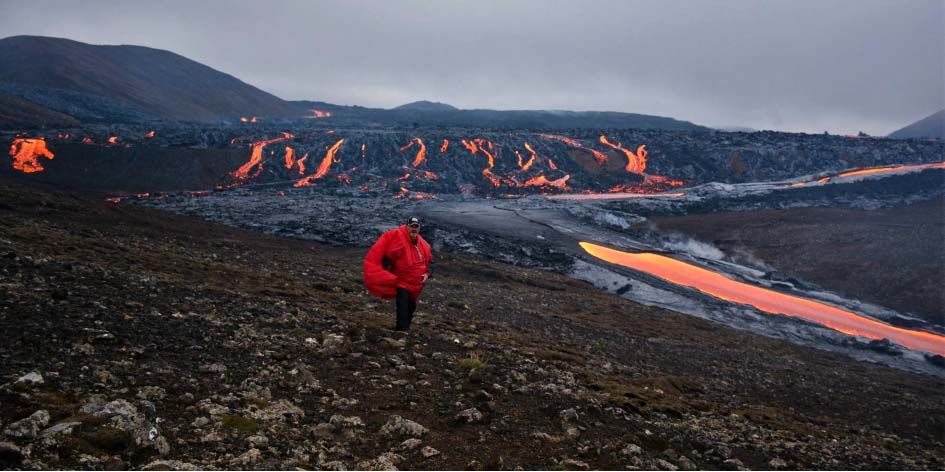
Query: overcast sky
pixel 811 66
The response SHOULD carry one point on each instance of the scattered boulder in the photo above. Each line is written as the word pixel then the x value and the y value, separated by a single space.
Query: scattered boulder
pixel 32 378
pixel 469 415
pixel 429 452
pixel 151 393
pixel 28 427
pixel 397 426
pixel 123 416
pixel 166 464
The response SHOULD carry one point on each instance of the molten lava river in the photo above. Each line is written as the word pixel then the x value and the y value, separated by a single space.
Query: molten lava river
pixel 769 301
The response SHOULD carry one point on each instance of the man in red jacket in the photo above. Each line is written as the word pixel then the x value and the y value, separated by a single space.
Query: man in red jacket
pixel 397 266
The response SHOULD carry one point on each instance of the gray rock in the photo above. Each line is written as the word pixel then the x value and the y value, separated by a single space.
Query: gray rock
pixel 170 465
pixel 28 427
pixel 568 415
pixel 397 426
pixel 152 393
pixel 665 465
pixel 631 450
pixel 33 378
pixel 386 461
pixel 247 458
pixel 410 444
pixel 124 416
pixel 777 463
pixel 469 415
pixel 429 452
pixel 59 429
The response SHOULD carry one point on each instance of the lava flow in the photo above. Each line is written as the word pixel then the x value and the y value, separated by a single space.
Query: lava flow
pixel 542 181
pixel 889 169
pixel 530 161
pixel 445 145
pixel 599 156
pixel 318 114
pixel 767 300
pixel 289 157
pixel 26 154
pixel 255 159
pixel 323 167
pixel 636 162
pixel 421 153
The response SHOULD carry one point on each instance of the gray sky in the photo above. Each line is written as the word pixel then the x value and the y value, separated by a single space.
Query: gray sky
pixel 811 66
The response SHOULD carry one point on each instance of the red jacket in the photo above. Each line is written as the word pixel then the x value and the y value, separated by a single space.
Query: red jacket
pixel 407 264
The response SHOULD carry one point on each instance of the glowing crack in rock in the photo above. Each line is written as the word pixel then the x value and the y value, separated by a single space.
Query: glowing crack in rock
pixel 26 154
pixel 767 300
pixel 289 157
pixel 445 145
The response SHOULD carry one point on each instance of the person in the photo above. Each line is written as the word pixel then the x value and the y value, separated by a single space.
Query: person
pixel 396 267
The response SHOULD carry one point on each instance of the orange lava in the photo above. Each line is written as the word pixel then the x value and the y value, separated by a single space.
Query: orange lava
pixel 318 114
pixel 767 300
pixel 113 140
pixel 301 163
pixel 289 157
pixel 363 149
pixel 255 159
pixel 27 152
pixel 528 164
pixel 149 135
pixel 470 146
pixel 551 164
pixel 323 168
pixel 636 162
pixel 445 145
pixel 542 181
pixel 421 154
pixel 599 156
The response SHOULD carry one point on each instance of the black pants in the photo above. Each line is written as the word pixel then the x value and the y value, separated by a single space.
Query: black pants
pixel 405 308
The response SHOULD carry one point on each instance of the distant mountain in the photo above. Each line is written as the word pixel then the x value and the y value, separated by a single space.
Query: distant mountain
pixel 430 114
pixel 932 126
pixel 125 83
pixel 55 82
pixel 424 105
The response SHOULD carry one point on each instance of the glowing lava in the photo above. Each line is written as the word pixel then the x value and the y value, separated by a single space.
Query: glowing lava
pixel 599 156
pixel 445 145
pixel 541 181
pixel 636 162
pixel 530 161
pixel 318 114
pixel 149 135
pixel 324 167
pixel 421 153
pixel 113 140
pixel 255 159
pixel 767 300
pixel 889 169
pixel 289 157
pixel 27 152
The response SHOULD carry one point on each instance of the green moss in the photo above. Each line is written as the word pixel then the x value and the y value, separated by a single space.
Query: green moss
pixel 240 423
pixel 474 361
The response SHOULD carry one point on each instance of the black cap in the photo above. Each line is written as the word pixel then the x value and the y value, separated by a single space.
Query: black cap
pixel 413 220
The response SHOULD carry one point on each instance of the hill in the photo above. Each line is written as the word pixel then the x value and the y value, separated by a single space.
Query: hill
pixel 932 126
pixel 266 353
pixel 424 105
pixel 125 83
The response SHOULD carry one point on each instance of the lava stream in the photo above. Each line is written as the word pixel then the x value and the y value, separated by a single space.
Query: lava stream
pixel 27 152
pixel 289 157
pixel 323 168
pixel 542 181
pixel 256 158
pixel 636 162
pixel 599 156
pixel 530 161
pixel 888 169
pixel 421 154
pixel 445 145
pixel 767 300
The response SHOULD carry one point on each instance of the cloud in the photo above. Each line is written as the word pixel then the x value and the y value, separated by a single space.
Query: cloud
pixel 842 66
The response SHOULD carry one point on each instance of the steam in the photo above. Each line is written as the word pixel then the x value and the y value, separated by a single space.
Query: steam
pixel 679 243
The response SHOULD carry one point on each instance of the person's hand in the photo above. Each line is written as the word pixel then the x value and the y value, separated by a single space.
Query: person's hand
pixel 425 277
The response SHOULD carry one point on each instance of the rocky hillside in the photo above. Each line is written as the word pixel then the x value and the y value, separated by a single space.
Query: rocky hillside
pixel 134 338
pixel 125 83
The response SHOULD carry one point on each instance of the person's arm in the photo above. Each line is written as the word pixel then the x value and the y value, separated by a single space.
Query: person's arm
pixel 374 263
